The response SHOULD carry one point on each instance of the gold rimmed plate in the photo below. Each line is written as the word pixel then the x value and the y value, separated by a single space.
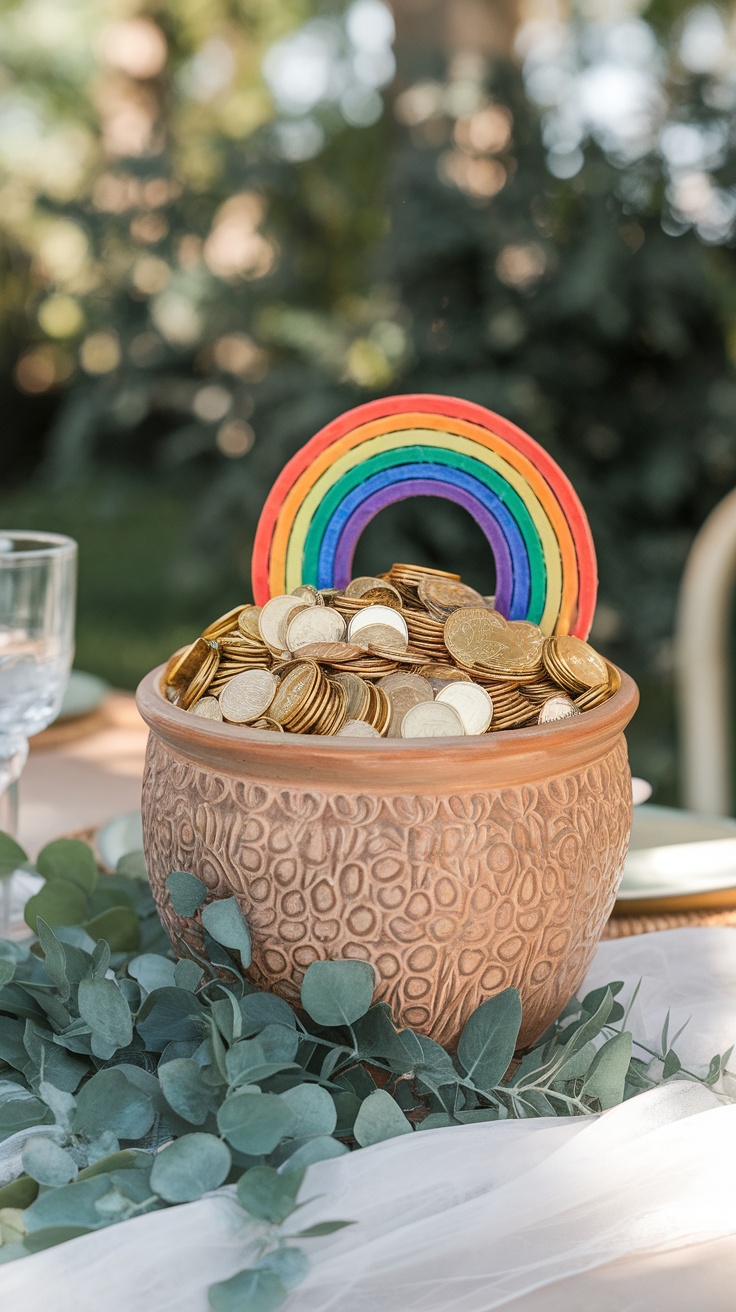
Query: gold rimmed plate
pixel 678 861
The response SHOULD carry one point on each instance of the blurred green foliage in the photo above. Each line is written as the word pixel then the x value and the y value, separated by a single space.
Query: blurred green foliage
pixel 198 273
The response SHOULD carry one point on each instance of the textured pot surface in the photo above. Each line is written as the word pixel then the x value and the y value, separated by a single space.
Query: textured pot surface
pixel 456 866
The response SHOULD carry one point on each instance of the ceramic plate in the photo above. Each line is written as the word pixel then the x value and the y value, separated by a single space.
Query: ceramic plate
pixel 677 856
pixel 84 694
pixel 120 836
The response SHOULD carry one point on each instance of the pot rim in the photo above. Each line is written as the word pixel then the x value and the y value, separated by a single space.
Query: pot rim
pixel 394 765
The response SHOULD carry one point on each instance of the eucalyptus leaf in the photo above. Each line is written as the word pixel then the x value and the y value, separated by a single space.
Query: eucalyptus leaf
pixel 487 1043
pixel 118 926
pixel 19 1193
pixel 255 1124
pixel 185 1089
pixel 133 865
pixel 226 923
pixel 187 974
pixel 258 1010
pixel 672 1065
pixel 7 971
pixel 60 902
pixel 71 1205
pixel 322 1228
pixel 109 1101
pixel 379 1118
pixel 320 1149
pixel 607 1075
pixel 152 972
pixel 168 1014
pixel 289 1263
pixel 577 1065
pixel 51 1236
pixel 190 1167
pixel 313 1108
pixel 12 856
pixel 255 1290
pixel 47 1163
pixel 71 860
pixel 187 893
pixel 103 1007
pixel 268 1194
pixel 337 992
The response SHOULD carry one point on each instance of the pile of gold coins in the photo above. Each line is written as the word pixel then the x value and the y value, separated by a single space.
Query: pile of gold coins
pixel 413 653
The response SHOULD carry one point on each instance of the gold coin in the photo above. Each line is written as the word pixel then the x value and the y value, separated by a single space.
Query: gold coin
pixel 331 653
pixel 203 677
pixel 472 703
pixel 406 657
pixel 474 635
pixel 185 663
pixel 404 691
pixel 293 689
pixel 380 635
pixel 447 673
pixel 418 572
pixel 442 596
pixel 431 720
pixel 208 708
pixel 364 583
pixel 378 615
pixel 225 624
pixel 248 695
pixel 271 619
pixel 315 624
pixel 557 708
pixel 248 622
pixel 357 694
pixel 386 595
pixel 357 729
pixel 266 722
pixel 308 594
pixel 574 664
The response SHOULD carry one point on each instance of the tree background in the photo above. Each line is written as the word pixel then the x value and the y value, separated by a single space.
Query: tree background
pixel 221 224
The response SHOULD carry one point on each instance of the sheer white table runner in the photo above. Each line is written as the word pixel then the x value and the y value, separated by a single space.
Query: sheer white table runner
pixel 466 1219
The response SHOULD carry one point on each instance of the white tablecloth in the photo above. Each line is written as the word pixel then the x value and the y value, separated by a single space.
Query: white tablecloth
pixel 635 1210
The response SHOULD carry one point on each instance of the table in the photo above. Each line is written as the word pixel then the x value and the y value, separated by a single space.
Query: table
pixel 73 782
pixel 81 774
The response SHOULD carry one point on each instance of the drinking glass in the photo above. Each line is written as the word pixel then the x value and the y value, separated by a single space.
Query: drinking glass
pixel 38 576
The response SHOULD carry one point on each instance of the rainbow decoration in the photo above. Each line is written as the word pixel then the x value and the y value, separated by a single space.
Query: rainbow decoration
pixel 437 446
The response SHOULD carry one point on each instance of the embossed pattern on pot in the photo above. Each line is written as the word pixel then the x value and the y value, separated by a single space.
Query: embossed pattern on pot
pixel 451 896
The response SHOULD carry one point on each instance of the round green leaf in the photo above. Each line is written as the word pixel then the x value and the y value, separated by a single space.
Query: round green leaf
pixel 187 893
pixel 58 903
pixel 185 1089
pixel 269 1195
pixel 338 992
pixel 109 1101
pixel 190 1167
pixel 255 1290
pixel 226 923
pixel 314 1110
pixel 379 1118
pixel 103 1007
pixel 255 1123
pixel 71 860
pixel 48 1163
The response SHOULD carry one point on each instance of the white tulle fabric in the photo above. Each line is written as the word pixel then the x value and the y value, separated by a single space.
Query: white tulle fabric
pixel 467 1219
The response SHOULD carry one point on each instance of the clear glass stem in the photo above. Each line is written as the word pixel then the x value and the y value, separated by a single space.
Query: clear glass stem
pixel 12 761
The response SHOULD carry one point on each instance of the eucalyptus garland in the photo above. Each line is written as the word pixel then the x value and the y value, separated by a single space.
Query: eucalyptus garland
pixel 148 1080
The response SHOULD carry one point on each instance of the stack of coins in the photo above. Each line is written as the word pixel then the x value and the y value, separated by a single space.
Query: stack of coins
pixel 413 653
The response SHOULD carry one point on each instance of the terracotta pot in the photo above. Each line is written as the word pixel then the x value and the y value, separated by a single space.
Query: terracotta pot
pixel 455 866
